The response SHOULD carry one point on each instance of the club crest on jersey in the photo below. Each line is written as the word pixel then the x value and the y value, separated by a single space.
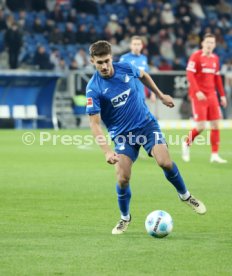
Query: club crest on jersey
pixel 121 99
pixel 89 102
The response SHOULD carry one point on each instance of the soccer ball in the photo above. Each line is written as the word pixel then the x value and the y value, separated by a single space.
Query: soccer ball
pixel 159 224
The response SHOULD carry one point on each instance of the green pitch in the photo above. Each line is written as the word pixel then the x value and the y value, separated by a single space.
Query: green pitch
pixel 58 207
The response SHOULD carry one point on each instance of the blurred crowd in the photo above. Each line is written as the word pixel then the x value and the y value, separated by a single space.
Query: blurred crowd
pixel 56 34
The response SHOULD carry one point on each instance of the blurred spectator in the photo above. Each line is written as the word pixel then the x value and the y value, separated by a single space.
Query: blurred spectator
pixel 81 58
pixel 166 49
pixel 50 5
pixel 56 36
pixel 82 35
pixel 62 66
pixel 13 42
pixel 224 8
pixel 224 23
pixel 164 65
pixel 184 17
pixel 37 26
pixel 153 48
pixel 72 16
pixel 196 9
pixel 2 4
pixel 70 34
pixel 73 65
pixel 93 35
pixel 177 65
pixel 3 25
pixel 192 44
pixel 49 26
pixel 113 23
pixel 179 48
pixel 167 16
pixel 55 58
pixel 57 15
pixel 22 21
pixel 153 25
pixel 41 59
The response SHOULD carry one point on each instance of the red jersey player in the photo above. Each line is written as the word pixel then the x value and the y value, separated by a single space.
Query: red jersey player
pixel 204 79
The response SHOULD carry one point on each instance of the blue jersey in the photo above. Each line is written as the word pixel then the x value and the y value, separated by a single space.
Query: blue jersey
pixel 139 61
pixel 118 100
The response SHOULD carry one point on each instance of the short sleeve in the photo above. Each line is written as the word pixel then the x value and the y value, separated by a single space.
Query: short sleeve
pixel 93 102
pixel 135 71
pixel 192 64
pixel 217 72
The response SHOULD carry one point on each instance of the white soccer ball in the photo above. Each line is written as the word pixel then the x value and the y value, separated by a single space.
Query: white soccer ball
pixel 159 224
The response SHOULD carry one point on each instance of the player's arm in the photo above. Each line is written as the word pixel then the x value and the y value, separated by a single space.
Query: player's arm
pixel 95 125
pixel 191 77
pixel 146 79
pixel 219 86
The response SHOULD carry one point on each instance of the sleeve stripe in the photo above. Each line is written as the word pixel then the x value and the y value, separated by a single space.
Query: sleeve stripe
pixel 190 69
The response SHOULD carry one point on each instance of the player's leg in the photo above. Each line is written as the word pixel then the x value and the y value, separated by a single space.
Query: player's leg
pixel 171 171
pixel 123 173
pixel 127 155
pixel 200 114
pixel 215 141
pixel 214 115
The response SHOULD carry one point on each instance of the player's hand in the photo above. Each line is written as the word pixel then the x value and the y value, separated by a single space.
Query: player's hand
pixel 111 157
pixel 201 96
pixel 223 101
pixel 168 101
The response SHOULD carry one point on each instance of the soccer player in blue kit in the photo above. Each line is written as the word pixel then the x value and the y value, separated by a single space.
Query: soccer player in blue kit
pixel 139 60
pixel 113 97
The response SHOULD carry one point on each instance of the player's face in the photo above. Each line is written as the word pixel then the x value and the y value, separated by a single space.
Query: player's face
pixel 208 45
pixel 103 65
pixel 136 46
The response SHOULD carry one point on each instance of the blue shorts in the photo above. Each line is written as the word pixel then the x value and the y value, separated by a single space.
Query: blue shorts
pixel 129 143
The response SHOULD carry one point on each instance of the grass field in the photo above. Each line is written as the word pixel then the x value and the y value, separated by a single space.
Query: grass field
pixel 58 207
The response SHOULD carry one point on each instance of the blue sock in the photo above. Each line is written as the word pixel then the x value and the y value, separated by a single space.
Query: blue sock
pixel 176 179
pixel 124 196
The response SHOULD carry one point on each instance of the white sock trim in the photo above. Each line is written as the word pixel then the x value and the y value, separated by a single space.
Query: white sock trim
pixel 127 217
pixel 185 196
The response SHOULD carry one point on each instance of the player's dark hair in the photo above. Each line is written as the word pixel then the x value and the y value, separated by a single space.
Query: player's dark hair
pixel 207 35
pixel 100 48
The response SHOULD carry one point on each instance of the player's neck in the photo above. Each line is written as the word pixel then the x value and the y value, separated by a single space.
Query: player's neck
pixel 136 54
pixel 206 53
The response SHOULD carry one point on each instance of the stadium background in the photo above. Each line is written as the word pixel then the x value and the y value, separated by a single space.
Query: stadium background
pixel 57 201
pixel 55 36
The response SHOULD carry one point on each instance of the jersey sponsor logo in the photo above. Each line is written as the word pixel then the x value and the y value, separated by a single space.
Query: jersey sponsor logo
pixel 89 102
pixel 127 78
pixel 121 99
pixel 208 70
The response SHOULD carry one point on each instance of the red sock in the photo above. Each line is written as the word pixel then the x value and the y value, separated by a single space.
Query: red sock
pixel 192 134
pixel 214 140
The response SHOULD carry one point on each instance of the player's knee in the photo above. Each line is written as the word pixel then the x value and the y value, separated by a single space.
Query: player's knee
pixel 165 164
pixel 200 129
pixel 123 180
